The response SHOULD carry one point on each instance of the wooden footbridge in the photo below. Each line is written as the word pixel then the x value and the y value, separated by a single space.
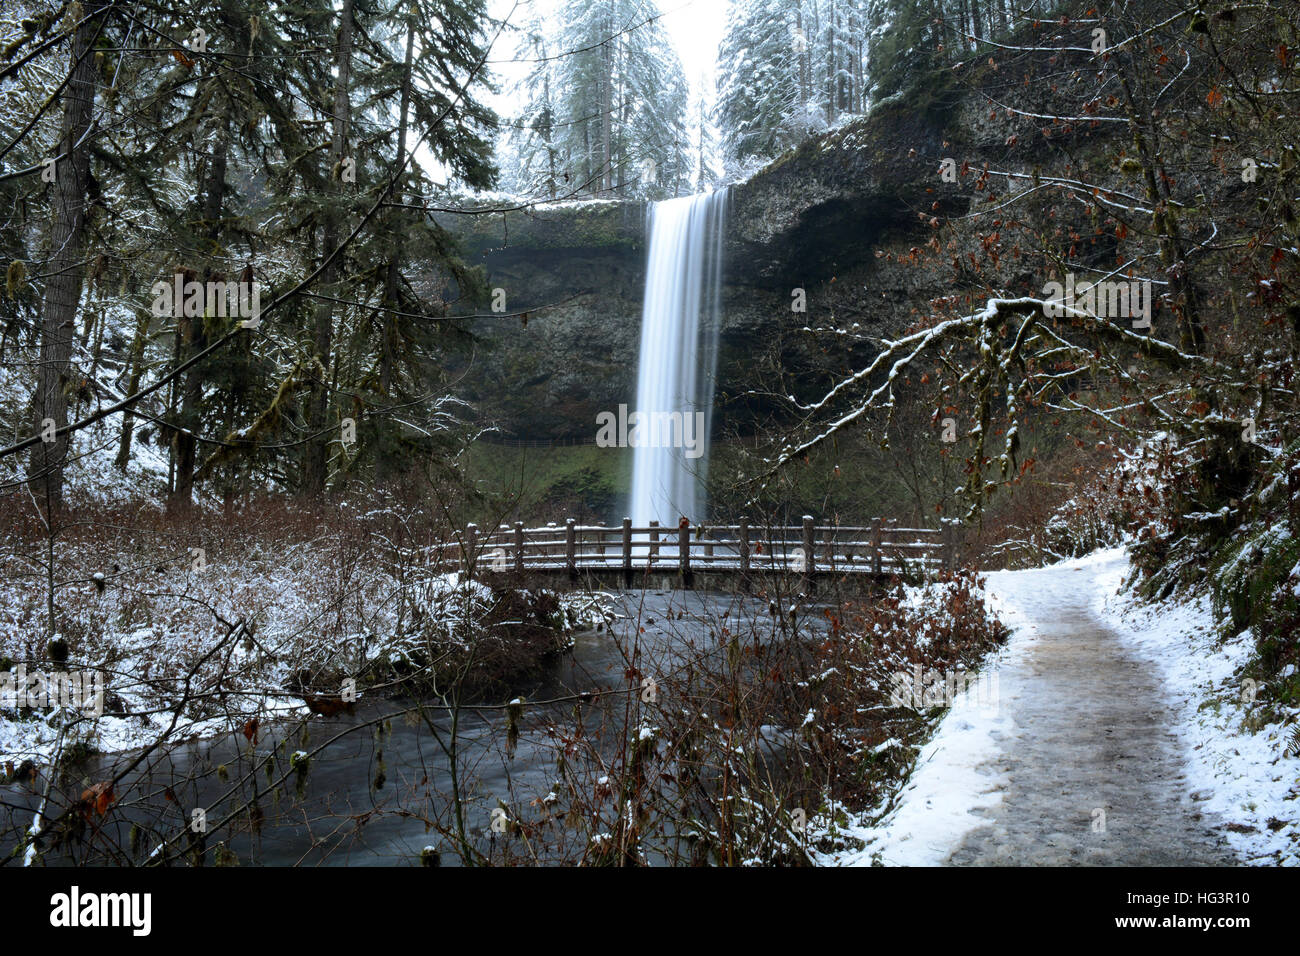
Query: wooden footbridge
pixel 680 556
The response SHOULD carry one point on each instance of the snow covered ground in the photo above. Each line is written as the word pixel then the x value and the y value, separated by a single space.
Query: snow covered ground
pixel 1243 777
pixel 291 598
pixel 1224 793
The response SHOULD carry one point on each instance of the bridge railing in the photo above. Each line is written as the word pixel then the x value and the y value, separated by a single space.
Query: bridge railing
pixel 880 547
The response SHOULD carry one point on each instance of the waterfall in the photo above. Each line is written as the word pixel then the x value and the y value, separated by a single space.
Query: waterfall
pixel 678 360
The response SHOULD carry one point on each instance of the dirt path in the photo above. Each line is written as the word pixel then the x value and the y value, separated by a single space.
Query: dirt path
pixel 1087 731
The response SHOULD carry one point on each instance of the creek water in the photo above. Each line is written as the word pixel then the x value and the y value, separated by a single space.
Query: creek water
pixel 340 817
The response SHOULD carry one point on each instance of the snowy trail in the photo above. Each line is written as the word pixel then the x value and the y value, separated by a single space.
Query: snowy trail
pixel 1078 761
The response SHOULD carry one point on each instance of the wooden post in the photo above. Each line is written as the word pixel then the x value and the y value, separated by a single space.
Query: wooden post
pixel 829 553
pixel 471 549
pixel 519 547
pixel 744 546
pixel 654 542
pixel 809 550
pixel 949 546
pixel 684 552
pixel 876 563
pixel 627 552
pixel 571 548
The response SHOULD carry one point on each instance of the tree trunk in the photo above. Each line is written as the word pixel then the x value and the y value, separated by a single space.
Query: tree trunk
pixel 191 330
pixel 66 269
pixel 607 105
pixel 1185 301
pixel 546 132
pixel 388 352
pixel 135 371
pixel 802 58
pixel 832 93
pixel 317 459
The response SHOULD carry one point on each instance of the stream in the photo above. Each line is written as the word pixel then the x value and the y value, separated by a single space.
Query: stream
pixel 339 817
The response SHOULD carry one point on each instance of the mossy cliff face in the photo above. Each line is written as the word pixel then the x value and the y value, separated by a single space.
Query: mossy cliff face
pixel 840 218
pixel 578 272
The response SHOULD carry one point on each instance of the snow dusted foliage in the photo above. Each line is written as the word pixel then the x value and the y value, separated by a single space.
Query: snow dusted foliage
pixel 1126 502
pixel 605 107
pixel 219 176
pixel 787 70
pixel 759 93
pixel 790 69
pixel 1255 590
pixel 887 670
pixel 92 474
pixel 230 620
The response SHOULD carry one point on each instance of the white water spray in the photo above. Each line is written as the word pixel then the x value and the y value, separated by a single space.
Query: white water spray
pixel 679 354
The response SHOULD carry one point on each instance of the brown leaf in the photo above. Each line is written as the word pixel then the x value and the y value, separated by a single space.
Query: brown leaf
pixel 98 797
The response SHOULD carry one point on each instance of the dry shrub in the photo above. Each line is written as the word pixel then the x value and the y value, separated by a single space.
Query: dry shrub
pixel 864 740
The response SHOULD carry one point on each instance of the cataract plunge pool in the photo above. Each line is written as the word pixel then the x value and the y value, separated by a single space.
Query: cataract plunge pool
pixel 379 791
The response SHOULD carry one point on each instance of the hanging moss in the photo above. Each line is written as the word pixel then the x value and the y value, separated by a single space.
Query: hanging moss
pixel 198 849
pixel 300 762
pixel 225 856
pixel 381 775
pixel 15 278
pixel 246 438
pixel 514 713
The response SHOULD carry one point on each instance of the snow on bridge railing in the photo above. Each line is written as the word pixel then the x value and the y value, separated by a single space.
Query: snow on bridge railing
pixel 808 548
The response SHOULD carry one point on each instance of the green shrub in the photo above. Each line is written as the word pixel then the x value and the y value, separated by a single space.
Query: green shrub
pixel 1246 576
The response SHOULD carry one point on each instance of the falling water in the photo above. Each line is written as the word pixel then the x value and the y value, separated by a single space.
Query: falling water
pixel 679 353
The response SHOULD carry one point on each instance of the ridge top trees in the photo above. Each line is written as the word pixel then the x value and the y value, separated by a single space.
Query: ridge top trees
pixel 606 106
